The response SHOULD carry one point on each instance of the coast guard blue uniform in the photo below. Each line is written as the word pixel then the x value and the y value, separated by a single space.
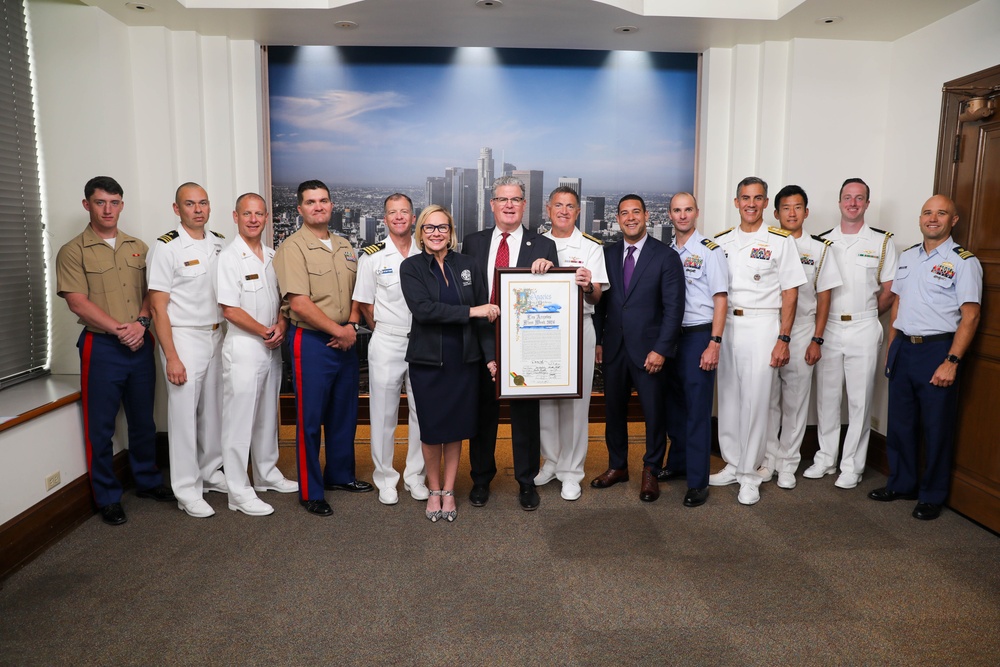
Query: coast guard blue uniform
pixel 690 390
pixel 932 288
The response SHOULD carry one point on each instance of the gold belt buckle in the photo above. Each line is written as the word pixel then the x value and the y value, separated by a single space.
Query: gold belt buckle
pixel 738 312
pixel 216 326
pixel 845 318
pixel 916 340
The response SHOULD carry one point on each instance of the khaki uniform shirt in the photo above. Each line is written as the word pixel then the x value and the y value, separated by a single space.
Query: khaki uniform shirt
pixel 114 279
pixel 304 265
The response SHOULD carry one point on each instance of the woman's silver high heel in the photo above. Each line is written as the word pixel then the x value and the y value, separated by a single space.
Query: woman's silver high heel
pixel 450 515
pixel 436 514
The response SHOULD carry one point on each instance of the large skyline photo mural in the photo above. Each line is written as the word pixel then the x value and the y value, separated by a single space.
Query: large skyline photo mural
pixel 439 124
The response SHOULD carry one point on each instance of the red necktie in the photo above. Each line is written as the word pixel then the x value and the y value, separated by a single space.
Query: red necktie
pixel 502 262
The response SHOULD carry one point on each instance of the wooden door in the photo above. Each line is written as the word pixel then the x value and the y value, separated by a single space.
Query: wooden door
pixel 968 170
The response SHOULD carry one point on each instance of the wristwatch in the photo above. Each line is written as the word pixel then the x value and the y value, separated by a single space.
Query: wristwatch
pixel 355 325
pixel 817 340
pixel 144 321
pixel 716 339
pixel 591 290
pixel 953 358
pixel 784 338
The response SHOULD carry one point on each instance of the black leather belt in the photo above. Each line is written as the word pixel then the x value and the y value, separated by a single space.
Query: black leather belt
pixel 917 340
pixel 697 327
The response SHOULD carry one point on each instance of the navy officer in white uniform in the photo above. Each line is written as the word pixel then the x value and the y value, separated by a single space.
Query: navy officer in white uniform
pixel 380 298
pixel 188 321
pixel 939 286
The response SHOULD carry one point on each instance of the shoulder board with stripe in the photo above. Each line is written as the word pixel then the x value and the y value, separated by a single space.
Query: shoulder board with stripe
pixel 591 238
pixel 710 244
pixel 373 248
pixel 963 253
pixel 217 234
pixel 817 237
pixel 724 232
pixel 779 231
pixel 881 231
pixel 168 237
pixel 826 232
pixel 917 244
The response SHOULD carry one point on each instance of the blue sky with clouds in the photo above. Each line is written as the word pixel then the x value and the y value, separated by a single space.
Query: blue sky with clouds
pixel 391 116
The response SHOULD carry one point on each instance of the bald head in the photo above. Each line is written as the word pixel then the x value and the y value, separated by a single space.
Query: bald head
pixel 937 218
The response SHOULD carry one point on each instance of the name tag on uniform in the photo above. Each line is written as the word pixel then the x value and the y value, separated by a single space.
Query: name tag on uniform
pixel 385 270
pixel 192 262
pixel 252 276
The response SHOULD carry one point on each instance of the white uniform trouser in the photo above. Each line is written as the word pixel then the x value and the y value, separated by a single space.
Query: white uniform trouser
pixel 850 354
pixel 194 413
pixel 745 378
pixel 387 375
pixel 565 422
pixel 790 402
pixel 251 379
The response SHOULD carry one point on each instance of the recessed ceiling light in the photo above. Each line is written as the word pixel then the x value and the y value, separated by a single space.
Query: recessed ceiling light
pixel 626 29
pixel 829 20
pixel 345 25
pixel 489 4
pixel 138 6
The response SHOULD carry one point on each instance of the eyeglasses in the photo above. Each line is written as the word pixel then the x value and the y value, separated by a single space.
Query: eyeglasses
pixel 443 229
pixel 513 200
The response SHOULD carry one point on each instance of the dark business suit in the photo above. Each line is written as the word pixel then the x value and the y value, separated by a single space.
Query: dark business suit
pixel 630 324
pixel 525 431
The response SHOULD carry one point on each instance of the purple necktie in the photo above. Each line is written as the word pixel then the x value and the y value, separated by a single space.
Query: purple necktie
pixel 629 266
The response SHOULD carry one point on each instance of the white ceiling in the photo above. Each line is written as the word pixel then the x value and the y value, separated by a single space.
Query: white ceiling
pixel 663 25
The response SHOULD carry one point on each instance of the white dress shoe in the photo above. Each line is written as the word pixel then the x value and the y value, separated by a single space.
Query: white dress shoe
pixel 766 474
pixel 749 494
pixel 218 487
pixel 786 480
pixel 284 486
pixel 724 477
pixel 388 496
pixel 252 507
pixel 198 509
pixel 418 491
pixel 847 480
pixel 816 471
pixel 570 491
pixel 545 475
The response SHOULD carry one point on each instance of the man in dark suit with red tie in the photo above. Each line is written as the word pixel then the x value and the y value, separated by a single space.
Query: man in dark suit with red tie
pixel 508 243
pixel 638 323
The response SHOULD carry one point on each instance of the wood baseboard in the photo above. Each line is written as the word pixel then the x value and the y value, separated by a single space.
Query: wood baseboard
pixel 29 534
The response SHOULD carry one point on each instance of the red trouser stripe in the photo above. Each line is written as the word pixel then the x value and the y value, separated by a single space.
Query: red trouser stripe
pixel 88 341
pixel 300 438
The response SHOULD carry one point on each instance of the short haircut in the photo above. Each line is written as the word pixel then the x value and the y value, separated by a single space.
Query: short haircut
pixel 249 195
pixel 394 196
pixel 434 208
pixel 686 194
pixel 508 180
pixel 311 185
pixel 751 180
pixel 790 191
pixel 634 197
pixel 105 183
pixel 189 184
pixel 566 190
pixel 868 190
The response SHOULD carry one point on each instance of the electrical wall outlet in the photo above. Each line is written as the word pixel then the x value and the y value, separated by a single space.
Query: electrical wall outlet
pixel 52 481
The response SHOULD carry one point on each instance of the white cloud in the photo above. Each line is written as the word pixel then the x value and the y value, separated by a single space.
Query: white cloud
pixel 334 109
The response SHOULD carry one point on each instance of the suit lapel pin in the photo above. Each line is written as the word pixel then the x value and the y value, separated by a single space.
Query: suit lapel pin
pixel 527 243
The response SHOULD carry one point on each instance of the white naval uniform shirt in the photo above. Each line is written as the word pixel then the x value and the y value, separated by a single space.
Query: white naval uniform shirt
pixel 822 273
pixel 706 274
pixel 761 265
pixel 866 260
pixel 378 283
pixel 246 282
pixel 577 250
pixel 185 268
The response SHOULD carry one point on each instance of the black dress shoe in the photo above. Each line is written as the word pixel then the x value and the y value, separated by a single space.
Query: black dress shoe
pixel 479 495
pixel 161 493
pixel 528 497
pixel 357 486
pixel 695 497
pixel 317 507
pixel 113 514
pixel 884 495
pixel 926 511
pixel 667 475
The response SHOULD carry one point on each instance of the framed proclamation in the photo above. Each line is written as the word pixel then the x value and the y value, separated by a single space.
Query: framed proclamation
pixel 540 334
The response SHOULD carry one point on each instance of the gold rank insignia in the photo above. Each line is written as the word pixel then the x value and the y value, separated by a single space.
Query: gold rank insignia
pixel 217 234
pixel 168 237
pixel 779 231
pixel 881 231
pixel 374 248
pixel 588 236
pixel 962 252
pixel 823 240
pixel 723 233
pixel 710 244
